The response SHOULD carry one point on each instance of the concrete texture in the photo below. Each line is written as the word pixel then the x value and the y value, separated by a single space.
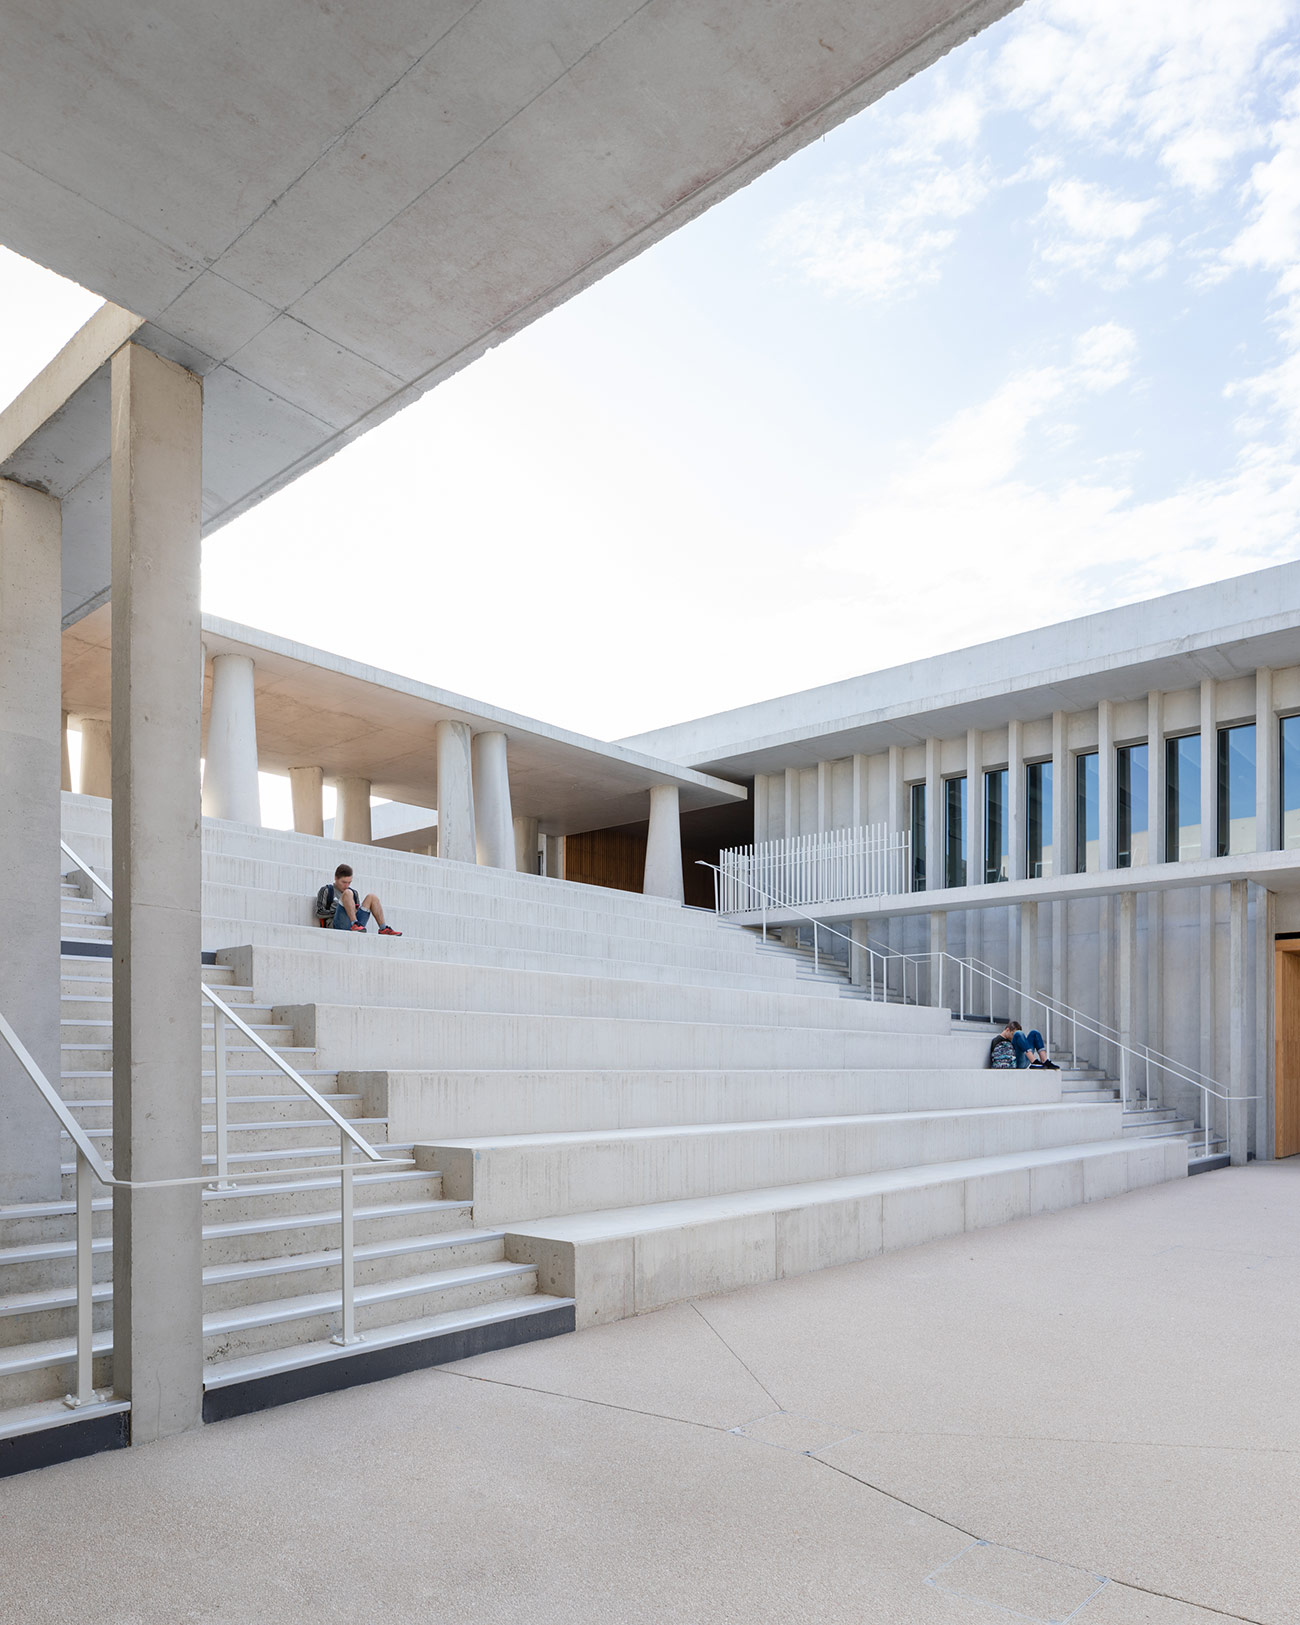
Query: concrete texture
pixel 1104 1395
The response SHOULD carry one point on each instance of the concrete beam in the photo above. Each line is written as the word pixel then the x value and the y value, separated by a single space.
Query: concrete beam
pixel 157 1255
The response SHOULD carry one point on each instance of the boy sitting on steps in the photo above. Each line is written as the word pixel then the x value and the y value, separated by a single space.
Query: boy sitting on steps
pixel 338 905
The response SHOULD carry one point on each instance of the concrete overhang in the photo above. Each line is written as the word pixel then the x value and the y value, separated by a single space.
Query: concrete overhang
pixel 1274 871
pixel 316 709
pixel 1224 630
pixel 326 210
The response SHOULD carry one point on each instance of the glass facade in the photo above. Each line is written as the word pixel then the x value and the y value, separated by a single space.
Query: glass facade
pixel 954 832
pixel 1183 798
pixel 997 859
pixel 1087 815
pixel 1236 780
pixel 1289 780
pixel 918 837
pixel 1038 820
pixel 1132 845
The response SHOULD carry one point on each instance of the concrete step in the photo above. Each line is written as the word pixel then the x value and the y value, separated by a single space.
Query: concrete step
pixel 374 1185
pixel 314 1317
pixel 292 1163
pixel 290 1106
pixel 629 1260
pixel 451 1104
pixel 271 1134
pixel 269 1236
pixel 513 1177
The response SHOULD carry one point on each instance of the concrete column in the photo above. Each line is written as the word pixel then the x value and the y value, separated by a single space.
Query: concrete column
pixel 1263 1071
pixel 555 856
pixel 30 588
pixel 1207 1058
pixel 1155 778
pixel 1238 1080
pixel 1209 777
pixel 352 812
pixel 663 850
pixel 157 710
pixel 938 919
pixel 861 800
pixel 1107 824
pixel 1154 958
pixel 1026 972
pixel 1129 971
pixel 825 797
pixel 230 788
pixel 760 807
pixel 96 758
pixel 974 807
pixel 859 963
pixel 1268 808
pixel 525 830
pixel 307 787
pixel 933 817
pixel 494 829
pixel 898 809
pixel 1062 802
pixel 793 825
pixel 456 837
pixel 65 760
pixel 1016 800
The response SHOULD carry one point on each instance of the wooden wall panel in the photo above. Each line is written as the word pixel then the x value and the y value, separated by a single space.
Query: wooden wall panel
pixel 1286 1071
pixel 605 857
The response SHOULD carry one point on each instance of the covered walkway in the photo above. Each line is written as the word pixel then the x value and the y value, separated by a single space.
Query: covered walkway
pixel 1099 1395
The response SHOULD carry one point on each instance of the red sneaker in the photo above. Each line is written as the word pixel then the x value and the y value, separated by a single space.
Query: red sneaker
pixel 387 931
pixel 360 927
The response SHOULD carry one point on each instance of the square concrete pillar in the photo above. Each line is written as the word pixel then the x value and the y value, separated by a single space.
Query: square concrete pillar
pixel 307 786
pixel 1015 812
pixel 30 681
pixel 1268 808
pixel 1156 777
pixel 1209 774
pixel 934 875
pixel 65 759
pixel 1107 823
pixel 157 704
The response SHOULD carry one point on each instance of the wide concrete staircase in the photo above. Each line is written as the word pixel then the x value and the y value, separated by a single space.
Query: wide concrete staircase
pixel 589 1103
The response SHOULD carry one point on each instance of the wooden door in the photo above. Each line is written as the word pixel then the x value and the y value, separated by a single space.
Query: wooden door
pixel 1286 1070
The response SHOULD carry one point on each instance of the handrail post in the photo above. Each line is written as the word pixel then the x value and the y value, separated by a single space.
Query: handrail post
pixel 222 1116
pixel 348 1330
pixel 85 1273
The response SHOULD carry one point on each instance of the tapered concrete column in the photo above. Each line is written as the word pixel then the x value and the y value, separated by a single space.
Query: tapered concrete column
pixel 555 856
pixel 352 813
pixel 65 760
pixel 494 830
pixel 526 845
pixel 230 787
pixel 1107 824
pixel 30 586
pixel 96 758
pixel 307 787
pixel 157 707
pixel 1238 1083
pixel 663 849
pixel 456 835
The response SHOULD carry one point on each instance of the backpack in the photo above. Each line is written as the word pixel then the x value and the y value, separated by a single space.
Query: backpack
pixel 1002 1054
pixel 325 901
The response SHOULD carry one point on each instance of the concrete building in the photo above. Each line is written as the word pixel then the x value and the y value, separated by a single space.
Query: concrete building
pixel 243 1159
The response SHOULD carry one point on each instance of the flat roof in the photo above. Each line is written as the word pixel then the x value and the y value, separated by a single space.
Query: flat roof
pixel 316 709
pixel 1222 630
pixel 331 211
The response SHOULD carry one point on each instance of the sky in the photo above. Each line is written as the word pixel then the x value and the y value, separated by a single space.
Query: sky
pixel 1020 342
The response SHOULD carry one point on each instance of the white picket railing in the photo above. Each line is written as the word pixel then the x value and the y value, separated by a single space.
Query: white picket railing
pixel 829 867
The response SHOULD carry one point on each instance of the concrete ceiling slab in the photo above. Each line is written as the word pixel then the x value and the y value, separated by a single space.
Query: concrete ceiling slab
pixel 325 210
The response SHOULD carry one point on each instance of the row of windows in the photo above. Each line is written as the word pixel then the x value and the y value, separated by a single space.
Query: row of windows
pixel 1234 831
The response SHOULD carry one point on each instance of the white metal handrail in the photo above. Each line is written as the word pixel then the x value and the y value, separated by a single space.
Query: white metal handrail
pixel 974 969
pixel 86 870
pixel 828 866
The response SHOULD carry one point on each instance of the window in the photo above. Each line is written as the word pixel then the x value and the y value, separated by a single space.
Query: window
pixel 1087 818
pixel 918 837
pixel 1038 820
pixel 1131 807
pixel 954 832
pixel 1289 781
pixel 1236 831
pixel 1183 798
pixel 997 860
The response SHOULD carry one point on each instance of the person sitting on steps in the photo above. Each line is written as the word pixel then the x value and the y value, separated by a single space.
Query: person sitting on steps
pixel 1030 1047
pixel 338 905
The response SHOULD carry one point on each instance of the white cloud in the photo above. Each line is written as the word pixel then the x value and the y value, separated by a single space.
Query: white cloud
pixel 880 233
pixel 1084 225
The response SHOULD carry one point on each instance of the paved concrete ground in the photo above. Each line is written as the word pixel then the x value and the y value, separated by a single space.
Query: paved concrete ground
pixel 1108 1399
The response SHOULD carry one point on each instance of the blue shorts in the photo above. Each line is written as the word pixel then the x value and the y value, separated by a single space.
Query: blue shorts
pixel 341 921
